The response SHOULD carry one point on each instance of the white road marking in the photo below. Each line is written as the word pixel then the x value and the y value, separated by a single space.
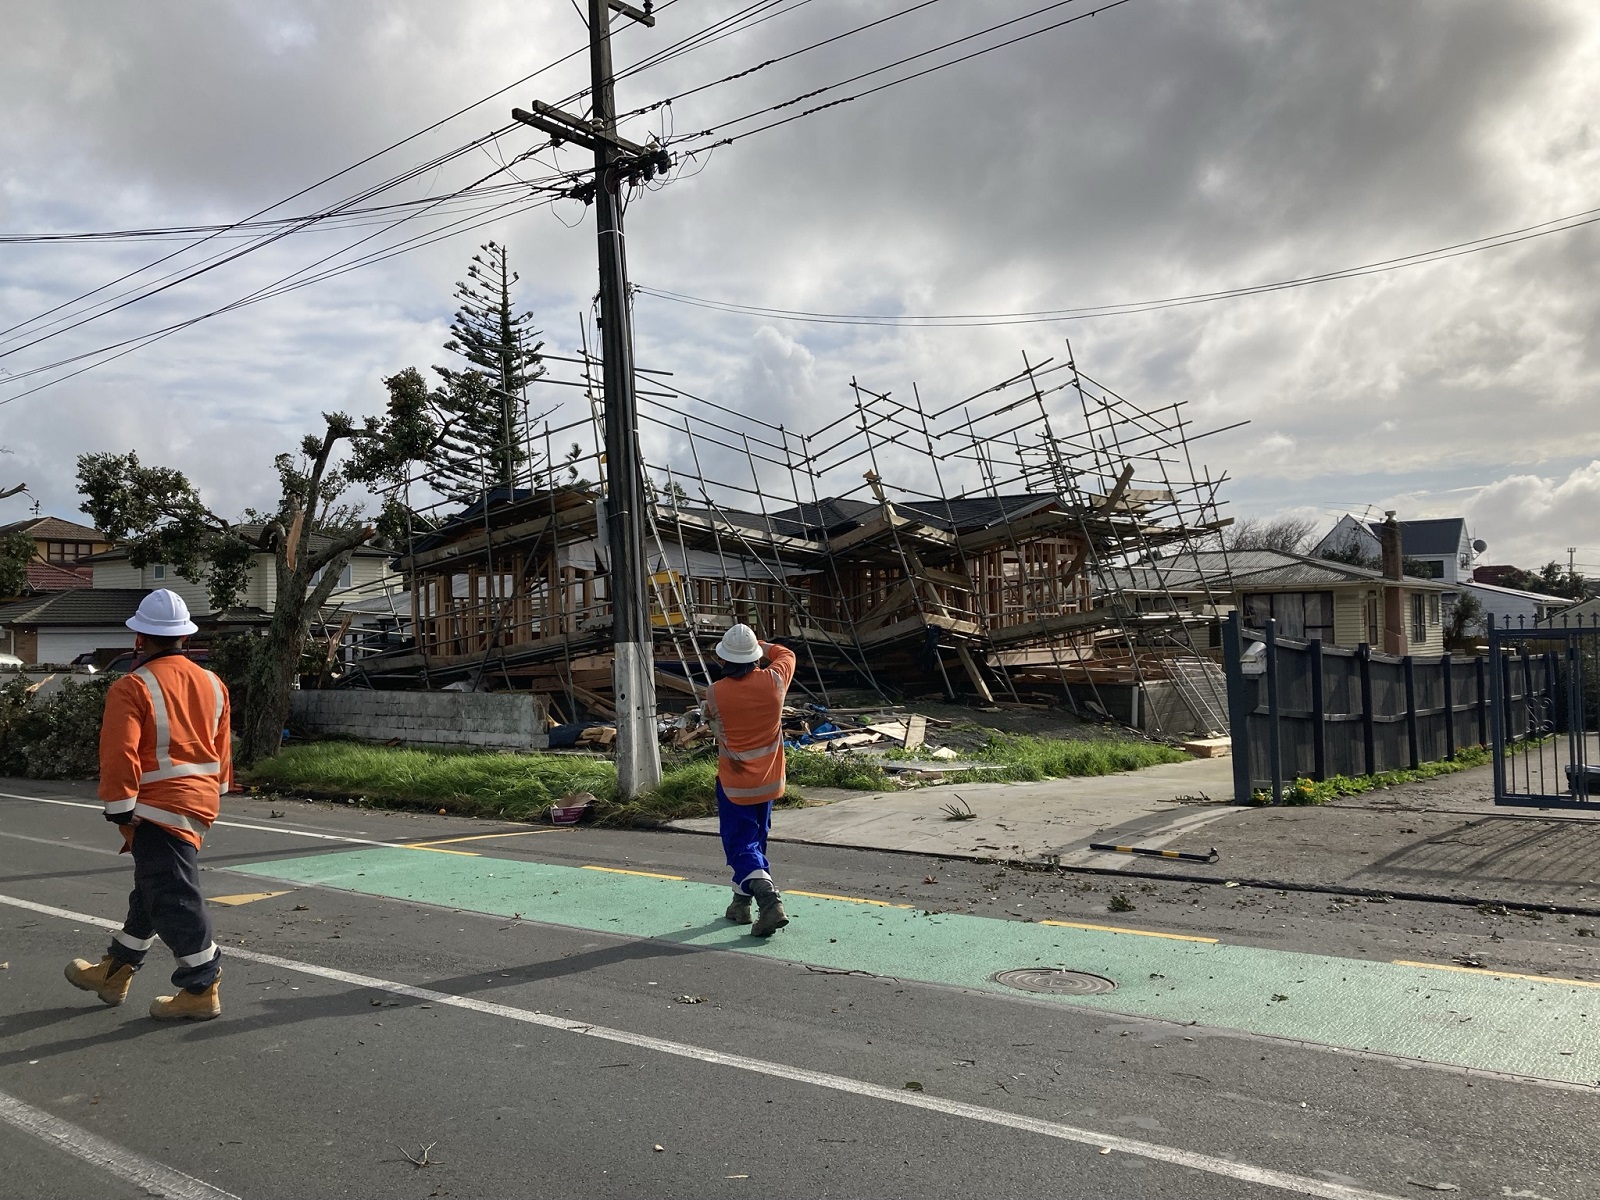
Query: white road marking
pixel 144 1173
pixel 1243 1172
pixel 23 837
pixel 290 830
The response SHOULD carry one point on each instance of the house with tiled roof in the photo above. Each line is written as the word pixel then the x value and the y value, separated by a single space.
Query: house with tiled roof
pixel 59 548
pixel 55 628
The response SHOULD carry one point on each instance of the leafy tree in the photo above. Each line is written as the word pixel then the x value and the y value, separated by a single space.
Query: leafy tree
pixel 16 552
pixel 158 514
pixel 1552 579
pixel 482 403
pixel 1466 614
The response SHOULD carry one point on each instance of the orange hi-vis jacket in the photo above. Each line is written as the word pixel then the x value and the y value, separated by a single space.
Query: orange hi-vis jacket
pixel 747 715
pixel 165 746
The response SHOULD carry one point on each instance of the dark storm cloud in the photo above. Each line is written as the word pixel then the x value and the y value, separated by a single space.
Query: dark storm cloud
pixel 1160 148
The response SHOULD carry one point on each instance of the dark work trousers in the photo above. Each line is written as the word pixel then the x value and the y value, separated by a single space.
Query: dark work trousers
pixel 744 839
pixel 166 903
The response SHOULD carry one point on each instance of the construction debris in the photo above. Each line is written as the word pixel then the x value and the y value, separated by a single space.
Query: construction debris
pixel 977 550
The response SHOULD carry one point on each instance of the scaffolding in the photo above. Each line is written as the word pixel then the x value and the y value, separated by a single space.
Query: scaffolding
pixel 1010 546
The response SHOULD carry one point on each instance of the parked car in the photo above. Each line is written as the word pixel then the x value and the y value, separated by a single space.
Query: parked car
pixel 123 663
pixel 95 661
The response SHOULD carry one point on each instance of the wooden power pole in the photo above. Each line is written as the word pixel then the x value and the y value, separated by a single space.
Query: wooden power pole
pixel 615 162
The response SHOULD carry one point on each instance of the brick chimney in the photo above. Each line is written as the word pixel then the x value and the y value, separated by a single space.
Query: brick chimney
pixel 1393 555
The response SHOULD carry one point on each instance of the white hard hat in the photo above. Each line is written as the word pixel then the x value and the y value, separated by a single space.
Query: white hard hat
pixel 739 645
pixel 162 614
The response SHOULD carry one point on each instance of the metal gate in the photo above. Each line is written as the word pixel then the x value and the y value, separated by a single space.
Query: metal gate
pixel 1545 711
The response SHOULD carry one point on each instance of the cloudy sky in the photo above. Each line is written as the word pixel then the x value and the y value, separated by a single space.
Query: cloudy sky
pixel 1162 148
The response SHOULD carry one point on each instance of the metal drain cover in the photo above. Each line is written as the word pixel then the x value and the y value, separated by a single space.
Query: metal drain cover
pixel 1055 982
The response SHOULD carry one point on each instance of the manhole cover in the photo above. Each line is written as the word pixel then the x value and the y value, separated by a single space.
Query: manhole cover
pixel 1055 983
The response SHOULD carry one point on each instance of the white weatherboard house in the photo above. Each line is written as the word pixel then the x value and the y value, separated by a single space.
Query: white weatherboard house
pixel 59 628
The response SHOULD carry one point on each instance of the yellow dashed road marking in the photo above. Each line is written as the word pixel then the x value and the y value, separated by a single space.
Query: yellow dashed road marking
pixel 243 898
pixel 646 874
pixel 1590 983
pixel 846 899
pixel 1176 937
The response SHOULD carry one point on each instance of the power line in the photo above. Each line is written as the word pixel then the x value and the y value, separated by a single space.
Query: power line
pixel 1088 312
pixel 728 141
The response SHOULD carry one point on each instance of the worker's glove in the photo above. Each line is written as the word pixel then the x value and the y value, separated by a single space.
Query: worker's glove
pixel 121 818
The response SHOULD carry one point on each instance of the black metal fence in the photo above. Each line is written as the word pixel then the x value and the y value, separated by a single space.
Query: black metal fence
pixel 1302 709
pixel 1555 766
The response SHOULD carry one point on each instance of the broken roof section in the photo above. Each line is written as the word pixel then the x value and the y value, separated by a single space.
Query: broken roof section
pixel 970 549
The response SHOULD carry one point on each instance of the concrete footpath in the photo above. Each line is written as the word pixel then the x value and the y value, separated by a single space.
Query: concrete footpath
pixel 1442 838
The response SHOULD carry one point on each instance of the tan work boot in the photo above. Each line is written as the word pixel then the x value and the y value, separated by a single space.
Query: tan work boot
pixel 739 910
pixel 189 1006
pixel 108 978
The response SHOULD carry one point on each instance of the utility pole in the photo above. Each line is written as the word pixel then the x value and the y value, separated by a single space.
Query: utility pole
pixel 616 163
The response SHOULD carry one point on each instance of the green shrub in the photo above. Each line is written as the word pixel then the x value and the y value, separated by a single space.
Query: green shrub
pixel 54 737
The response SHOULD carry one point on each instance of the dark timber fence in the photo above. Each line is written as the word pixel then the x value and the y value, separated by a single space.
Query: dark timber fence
pixel 1300 709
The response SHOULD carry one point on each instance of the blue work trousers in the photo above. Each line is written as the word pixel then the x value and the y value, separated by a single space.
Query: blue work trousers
pixel 166 903
pixel 744 839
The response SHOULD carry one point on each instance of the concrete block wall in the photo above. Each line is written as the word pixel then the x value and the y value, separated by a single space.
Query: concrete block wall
pixel 497 720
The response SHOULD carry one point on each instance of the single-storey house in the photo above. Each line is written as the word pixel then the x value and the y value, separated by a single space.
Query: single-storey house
pixel 1341 604
pixel 54 629
pixel 1513 606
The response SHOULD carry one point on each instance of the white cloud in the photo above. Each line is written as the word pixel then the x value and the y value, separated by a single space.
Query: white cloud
pixel 1531 519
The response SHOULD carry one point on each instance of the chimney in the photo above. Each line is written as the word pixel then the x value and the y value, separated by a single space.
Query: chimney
pixel 1389 538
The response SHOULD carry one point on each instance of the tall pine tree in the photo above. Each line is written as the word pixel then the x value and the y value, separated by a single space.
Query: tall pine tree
pixel 483 405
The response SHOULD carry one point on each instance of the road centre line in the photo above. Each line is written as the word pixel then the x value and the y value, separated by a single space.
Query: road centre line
pixel 285 829
pixel 146 1174
pixel 1428 966
pixel 1226 1168
pixel 70 845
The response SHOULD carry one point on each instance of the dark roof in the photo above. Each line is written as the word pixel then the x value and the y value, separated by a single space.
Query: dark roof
pixel 1436 537
pixel 835 516
pixel 81 606
pixel 313 542
pixel 54 529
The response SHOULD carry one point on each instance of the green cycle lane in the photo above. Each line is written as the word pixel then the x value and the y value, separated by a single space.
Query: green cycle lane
pixel 1523 1026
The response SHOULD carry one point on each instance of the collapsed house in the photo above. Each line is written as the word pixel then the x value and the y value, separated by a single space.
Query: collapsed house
pixel 1005 589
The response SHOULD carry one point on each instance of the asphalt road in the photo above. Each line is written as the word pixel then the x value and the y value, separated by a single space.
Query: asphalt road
pixel 617 1039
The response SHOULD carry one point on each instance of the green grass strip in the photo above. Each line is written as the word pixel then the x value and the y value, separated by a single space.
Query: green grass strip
pixel 522 786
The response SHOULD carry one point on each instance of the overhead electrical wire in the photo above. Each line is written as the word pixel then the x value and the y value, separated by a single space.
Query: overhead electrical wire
pixel 1088 312
pixel 280 287
pixel 716 128
pixel 772 62
pixel 137 294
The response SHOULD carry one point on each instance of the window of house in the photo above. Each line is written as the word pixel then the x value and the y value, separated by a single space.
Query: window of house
pixel 1426 568
pixel 346 576
pixel 67 552
pixel 1419 625
pixel 1433 609
pixel 158 571
pixel 1374 625
pixel 1299 614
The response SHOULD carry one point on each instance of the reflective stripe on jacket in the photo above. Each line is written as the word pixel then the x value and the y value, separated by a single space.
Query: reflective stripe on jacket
pixel 747 715
pixel 165 746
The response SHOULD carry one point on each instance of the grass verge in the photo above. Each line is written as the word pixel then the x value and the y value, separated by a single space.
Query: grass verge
pixel 1309 791
pixel 521 787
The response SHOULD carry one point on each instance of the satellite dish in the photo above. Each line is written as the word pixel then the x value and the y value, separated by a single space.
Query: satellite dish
pixel 1479 545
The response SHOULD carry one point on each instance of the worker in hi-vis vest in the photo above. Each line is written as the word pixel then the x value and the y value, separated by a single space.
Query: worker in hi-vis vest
pixel 164 763
pixel 745 708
